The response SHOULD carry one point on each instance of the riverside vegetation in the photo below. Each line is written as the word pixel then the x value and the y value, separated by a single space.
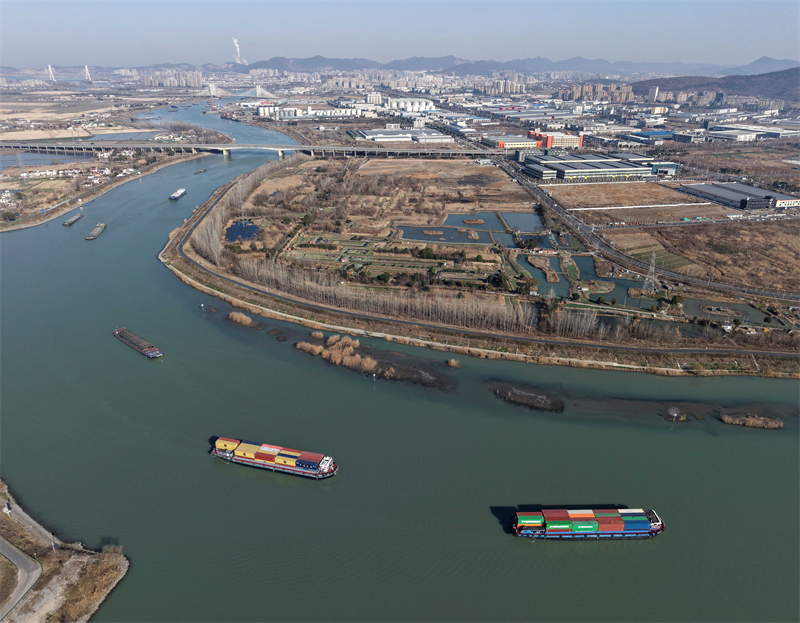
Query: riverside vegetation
pixel 429 297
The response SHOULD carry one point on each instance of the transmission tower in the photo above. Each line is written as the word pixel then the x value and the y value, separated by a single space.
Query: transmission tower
pixel 52 75
pixel 650 282
pixel 86 75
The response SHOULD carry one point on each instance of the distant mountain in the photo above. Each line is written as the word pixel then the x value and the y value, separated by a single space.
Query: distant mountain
pixel 763 65
pixel 315 63
pixel 777 84
pixel 588 65
pixel 424 63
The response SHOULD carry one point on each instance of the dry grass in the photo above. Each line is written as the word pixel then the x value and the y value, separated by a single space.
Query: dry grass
pixel 8 579
pixel 454 363
pixel 753 421
pixel 317 335
pixel 83 597
pixel 341 351
pixel 762 254
pixel 242 319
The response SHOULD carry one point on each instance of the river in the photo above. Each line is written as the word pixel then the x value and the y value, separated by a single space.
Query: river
pixel 106 446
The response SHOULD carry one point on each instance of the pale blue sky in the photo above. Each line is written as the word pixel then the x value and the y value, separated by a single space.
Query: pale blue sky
pixel 113 33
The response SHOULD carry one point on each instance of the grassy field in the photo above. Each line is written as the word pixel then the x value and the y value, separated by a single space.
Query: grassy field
pixel 760 254
pixel 8 579
pixel 641 245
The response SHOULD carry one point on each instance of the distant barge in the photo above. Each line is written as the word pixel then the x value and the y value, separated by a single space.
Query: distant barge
pixel 200 171
pixel 98 229
pixel 139 343
pixel 72 220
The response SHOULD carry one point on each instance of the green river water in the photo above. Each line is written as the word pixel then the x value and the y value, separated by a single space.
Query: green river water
pixel 105 446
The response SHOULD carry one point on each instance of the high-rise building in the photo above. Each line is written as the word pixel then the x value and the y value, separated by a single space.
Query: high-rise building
pixel 653 95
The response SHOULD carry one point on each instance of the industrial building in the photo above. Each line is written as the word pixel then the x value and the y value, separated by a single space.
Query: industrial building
pixel 585 167
pixel 740 196
pixel 399 135
pixel 510 142
pixel 556 139
pixel 781 200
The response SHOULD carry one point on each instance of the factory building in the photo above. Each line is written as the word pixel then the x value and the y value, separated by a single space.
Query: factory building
pixel 510 142
pixel 780 200
pixel 556 139
pixel 727 197
pixel 586 167
pixel 736 136
pixel 399 135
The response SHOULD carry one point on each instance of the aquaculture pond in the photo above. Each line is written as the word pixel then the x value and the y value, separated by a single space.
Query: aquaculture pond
pixel 242 230
pixel 449 234
pixel 523 221
pixel 490 221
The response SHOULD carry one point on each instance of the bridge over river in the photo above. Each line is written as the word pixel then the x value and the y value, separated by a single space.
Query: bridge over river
pixel 226 148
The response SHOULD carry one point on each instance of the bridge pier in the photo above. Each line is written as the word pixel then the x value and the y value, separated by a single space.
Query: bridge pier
pixel 280 154
pixel 226 152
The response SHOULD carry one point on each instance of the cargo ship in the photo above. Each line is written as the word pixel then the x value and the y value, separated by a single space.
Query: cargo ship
pixel 72 220
pixel 591 524
pixel 200 171
pixel 98 229
pixel 276 458
pixel 139 343
pixel 177 194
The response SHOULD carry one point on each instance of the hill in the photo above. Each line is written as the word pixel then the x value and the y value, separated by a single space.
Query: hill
pixel 777 84
pixel 763 65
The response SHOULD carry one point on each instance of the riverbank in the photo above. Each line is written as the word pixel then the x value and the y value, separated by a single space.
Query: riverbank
pixel 68 205
pixel 196 272
pixel 74 581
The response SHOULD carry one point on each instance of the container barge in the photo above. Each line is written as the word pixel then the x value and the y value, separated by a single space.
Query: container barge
pixel 98 229
pixel 177 194
pixel 589 524
pixel 139 343
pixel 276 458
pixel 72 220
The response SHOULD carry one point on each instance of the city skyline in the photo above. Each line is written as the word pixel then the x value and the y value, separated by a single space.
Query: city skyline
pixel 723 33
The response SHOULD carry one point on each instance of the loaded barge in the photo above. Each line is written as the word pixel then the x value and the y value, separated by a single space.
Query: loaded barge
pixel 589 524
pixel 177 194
pixel 276 458
pixel 139 343
pixel 98 229
pixel 72 220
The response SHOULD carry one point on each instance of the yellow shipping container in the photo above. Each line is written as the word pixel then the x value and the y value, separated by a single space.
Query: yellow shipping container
pixel 246 450
pixel 226 444
pixel 283 460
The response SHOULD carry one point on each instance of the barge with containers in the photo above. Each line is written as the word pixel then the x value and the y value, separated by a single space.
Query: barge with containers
pixel 138 343
pixel 589 524
pixel 276 458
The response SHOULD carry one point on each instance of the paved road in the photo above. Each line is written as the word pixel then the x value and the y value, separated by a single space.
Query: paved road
pixel 29 572
pixel 478 334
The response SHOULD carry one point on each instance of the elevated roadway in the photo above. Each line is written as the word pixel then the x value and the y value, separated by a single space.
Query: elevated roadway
pixel 89 147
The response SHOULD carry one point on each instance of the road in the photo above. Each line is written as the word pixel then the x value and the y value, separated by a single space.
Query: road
pixel 434 327
pixel 29 572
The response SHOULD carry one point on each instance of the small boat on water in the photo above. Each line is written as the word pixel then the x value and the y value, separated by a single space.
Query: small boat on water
pixel 177 194
pixel 200 171
pixel 98 229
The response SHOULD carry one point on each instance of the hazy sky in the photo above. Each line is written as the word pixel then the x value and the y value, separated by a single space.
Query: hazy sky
pixel 111 33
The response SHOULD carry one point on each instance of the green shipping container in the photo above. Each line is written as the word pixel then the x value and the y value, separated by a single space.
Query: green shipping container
pixel 559 524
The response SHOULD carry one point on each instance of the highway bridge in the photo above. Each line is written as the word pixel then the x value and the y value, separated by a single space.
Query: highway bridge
pixel 90 147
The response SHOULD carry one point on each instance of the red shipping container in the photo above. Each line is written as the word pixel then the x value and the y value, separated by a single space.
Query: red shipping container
pixel 605 510
pixel 556 513
pixel 609 520
pixel 264 456
pixel 311 456
pixel 609 527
